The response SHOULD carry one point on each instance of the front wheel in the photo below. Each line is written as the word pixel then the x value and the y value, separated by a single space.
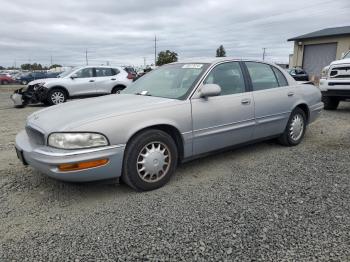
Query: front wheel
pixel 295 130
pixel 150 160
pixel 56 96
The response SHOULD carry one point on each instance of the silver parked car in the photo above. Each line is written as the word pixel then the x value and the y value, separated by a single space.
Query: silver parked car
pixel 77 82
pixel 175 113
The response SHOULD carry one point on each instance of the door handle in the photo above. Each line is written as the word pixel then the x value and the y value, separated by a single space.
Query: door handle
pixel 291 94
pixel 91 80
pixel 245 101
pixel 113 79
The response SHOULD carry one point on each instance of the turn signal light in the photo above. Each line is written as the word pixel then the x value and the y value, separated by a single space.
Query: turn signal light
pixel 82 165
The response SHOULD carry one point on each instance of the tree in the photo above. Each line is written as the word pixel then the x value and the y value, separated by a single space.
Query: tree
pixel 166 57
pixel 54 66
pixel 220 52
pixel 26 66
pixel 34 66
pixel 2 68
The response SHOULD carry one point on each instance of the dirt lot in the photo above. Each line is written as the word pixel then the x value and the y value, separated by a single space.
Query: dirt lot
pixel 258 203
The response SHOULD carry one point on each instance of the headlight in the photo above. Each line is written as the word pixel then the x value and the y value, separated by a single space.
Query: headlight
pixel 77 140
pixel 324 73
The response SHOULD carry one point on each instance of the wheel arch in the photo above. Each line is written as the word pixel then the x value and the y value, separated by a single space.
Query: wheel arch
pixel 170 130
pixel 305 108
pixel 118 86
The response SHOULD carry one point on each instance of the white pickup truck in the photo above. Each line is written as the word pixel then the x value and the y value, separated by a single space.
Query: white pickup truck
pixel 335 82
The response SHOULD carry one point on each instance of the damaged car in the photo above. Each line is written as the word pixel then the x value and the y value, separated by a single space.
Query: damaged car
pixel 78 82
pixel 32 94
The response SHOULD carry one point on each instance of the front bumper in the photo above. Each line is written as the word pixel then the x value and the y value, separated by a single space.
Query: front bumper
pixel 46 159
pixel 335 87
pixel 17 99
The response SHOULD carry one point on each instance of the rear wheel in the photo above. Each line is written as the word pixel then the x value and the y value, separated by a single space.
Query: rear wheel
pixel 295 130
pixel 56 96
pixel 150 160
pixel 117 89
pixel 330 103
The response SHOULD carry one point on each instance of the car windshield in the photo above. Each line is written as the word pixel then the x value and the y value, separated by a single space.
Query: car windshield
pixel 67 72
pixel 173 81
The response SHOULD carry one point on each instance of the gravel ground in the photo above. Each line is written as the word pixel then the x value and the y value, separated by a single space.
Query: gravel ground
pixel 259 203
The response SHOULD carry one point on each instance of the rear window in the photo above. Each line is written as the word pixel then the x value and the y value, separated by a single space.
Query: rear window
pixel 282 81
pixel 262 76
pixel 101 71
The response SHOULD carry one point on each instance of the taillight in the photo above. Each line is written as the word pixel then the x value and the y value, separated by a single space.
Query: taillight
pixel 130 76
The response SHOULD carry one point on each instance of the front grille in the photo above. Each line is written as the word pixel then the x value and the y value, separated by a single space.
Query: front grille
pixel 340 72
pixel 35 136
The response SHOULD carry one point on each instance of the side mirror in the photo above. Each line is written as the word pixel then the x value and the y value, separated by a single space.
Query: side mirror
pixel 74 76
pixel 208 90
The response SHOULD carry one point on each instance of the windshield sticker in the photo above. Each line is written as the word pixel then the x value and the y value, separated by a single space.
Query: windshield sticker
pixel 192 66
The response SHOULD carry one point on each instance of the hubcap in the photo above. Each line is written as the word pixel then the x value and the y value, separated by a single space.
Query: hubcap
pixel 57 97
pixel 153 162
pixel 296 127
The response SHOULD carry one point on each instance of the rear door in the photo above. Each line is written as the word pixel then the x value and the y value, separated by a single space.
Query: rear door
pixel 223 120
pixel 105 79
pixel 83 84
pixel 273 99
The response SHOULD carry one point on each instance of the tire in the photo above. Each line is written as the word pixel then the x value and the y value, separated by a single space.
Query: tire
pixel 151 149
pixel 330 103
pixel 295 129
pixel 117 89
pixel 24 82
pixel 56 96
pixel 5 82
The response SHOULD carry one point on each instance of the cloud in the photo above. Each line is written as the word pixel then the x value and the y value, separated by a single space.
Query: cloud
pixel 123 32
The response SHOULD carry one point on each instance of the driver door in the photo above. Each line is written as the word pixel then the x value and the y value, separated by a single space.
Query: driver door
pixel 223 120
pixel 83 83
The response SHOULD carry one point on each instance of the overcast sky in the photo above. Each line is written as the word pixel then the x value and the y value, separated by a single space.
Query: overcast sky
pixel 122 32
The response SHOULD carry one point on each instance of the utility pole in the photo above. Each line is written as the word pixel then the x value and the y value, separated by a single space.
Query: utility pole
pixel 86 57
pixel 155 50
pixel 264 53
pixel 51 60
pixel 144 62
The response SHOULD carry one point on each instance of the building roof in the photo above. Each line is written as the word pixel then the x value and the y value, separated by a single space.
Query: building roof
pixel 334 31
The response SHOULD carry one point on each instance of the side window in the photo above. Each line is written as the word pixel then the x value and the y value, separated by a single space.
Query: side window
pixel 85 73
pixel 282 81
pixel 229 77
pixel 101 72
pixel 262 76
pixel 115 71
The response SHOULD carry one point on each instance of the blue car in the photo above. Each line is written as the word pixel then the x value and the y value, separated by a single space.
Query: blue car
pixel 28 77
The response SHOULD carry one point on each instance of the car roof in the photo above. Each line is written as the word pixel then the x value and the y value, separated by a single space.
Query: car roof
pixel 214 60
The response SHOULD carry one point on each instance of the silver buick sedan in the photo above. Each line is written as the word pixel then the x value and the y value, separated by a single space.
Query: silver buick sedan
pixel 175 113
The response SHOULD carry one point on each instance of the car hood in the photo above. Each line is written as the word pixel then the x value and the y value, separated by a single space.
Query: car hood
pixel 341 61
pixel 70 115
pixel 46 80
